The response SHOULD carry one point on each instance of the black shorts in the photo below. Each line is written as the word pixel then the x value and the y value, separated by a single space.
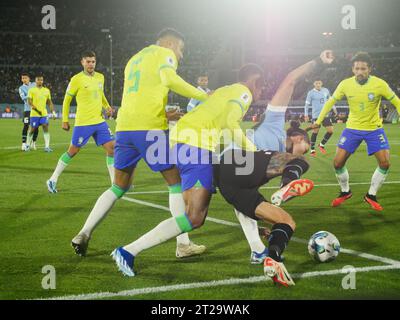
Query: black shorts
pixel 239 181
pixel 26 118
pixel 327 122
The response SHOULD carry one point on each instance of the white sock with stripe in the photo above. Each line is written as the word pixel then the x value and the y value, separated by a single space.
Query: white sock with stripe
pixel 378 178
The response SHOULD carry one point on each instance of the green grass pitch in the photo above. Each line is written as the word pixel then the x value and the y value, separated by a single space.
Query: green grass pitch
pixel 36 229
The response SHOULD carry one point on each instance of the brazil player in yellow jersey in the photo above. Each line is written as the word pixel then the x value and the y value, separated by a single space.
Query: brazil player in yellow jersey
pixel 142 131
pixel 88 89
pixel 364 93
pixel 194 141
pixel 38 98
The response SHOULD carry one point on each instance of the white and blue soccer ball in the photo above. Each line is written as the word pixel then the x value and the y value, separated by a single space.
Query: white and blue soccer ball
pixel 323 246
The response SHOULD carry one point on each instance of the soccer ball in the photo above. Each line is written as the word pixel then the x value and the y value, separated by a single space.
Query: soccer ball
pixel 323 246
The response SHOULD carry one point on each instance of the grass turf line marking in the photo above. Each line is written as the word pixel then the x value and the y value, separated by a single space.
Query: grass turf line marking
pixel 215 283
pixel 276 187
pixel 295 239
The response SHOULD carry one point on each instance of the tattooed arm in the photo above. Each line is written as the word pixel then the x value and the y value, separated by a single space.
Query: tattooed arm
pixel 278 163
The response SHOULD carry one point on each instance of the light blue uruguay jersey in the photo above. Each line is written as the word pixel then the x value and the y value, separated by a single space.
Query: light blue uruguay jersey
pixel 316 99
pixel 271 134
pixel 193 103
pixel 23 93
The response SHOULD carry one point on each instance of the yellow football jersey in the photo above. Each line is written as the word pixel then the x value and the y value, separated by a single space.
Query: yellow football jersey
pixel 202 127
pixel 39 98
pixel 364 102
pixel 90 99
pixel 145 97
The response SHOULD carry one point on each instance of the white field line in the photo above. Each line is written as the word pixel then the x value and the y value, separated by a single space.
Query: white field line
pixel 234 224
pixel 216 283
pixel 275 187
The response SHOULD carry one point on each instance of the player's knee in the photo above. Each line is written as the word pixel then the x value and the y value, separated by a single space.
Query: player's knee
pixel 196 217
pixel 385 164
pixel 337 164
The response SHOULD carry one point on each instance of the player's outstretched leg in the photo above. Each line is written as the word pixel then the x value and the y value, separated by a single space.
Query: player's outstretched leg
pixel 199 199
pixel 281 233
pixel 291 185
pixel 323 142
pixel 378 178
pixel 312 144
pixel 103 205
pixel 342 176
pixel 63 162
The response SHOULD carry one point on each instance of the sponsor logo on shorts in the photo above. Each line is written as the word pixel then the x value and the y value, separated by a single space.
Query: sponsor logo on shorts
pixel 80 140
pixel 342 140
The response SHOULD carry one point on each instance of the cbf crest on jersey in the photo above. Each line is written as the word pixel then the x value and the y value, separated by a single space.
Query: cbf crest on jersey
pixel 371 96
pixel 245 97
pixel 170 61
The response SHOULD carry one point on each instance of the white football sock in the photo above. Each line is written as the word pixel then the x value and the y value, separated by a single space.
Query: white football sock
pixel 164 231
pixel 29 139
pixel 110 167
pixel 46 136
pixel 342 176
pixel 101 208
pixel 250 229
pixel 61 165
pixel 177 208
pixel 378 178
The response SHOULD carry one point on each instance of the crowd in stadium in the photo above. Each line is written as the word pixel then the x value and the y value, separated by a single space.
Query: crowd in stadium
pixel 56 55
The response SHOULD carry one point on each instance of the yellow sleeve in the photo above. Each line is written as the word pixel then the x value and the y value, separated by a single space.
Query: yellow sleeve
pixel 105 103
pixel 389 95
pixel 233 123
pixel 171 80
pixel 69 95
pixel 337 95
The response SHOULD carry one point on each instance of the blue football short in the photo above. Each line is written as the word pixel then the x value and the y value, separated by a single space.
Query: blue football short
pixel 150 145
pixel 351 139
pixel 100 132
pixel 194 165
pixel 35 122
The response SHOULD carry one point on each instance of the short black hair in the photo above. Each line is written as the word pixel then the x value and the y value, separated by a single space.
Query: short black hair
pixel 318 79
pixel 39 75
pixel 362 57
pixel 170 32
pixel 248 70
pixel 88 54
pixel 25 74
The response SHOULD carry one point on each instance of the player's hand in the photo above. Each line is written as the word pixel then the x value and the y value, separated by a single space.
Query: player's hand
pixel 327 56
pixel 174 115
pixel 313 126
pixel 65 126
pixel 54 115
pixel 306 118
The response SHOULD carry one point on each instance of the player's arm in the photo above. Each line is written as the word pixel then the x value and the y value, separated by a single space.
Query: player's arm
pixel 389 95
pixel 286 88
pixel 22 94
pixel 233 123
pixel 71 92
pixel 106 106
pixel 30 103
pixel 337 95
pixel 171 80
pixel 307 104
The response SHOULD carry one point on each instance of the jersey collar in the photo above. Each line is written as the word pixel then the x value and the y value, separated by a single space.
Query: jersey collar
pixel 87 74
